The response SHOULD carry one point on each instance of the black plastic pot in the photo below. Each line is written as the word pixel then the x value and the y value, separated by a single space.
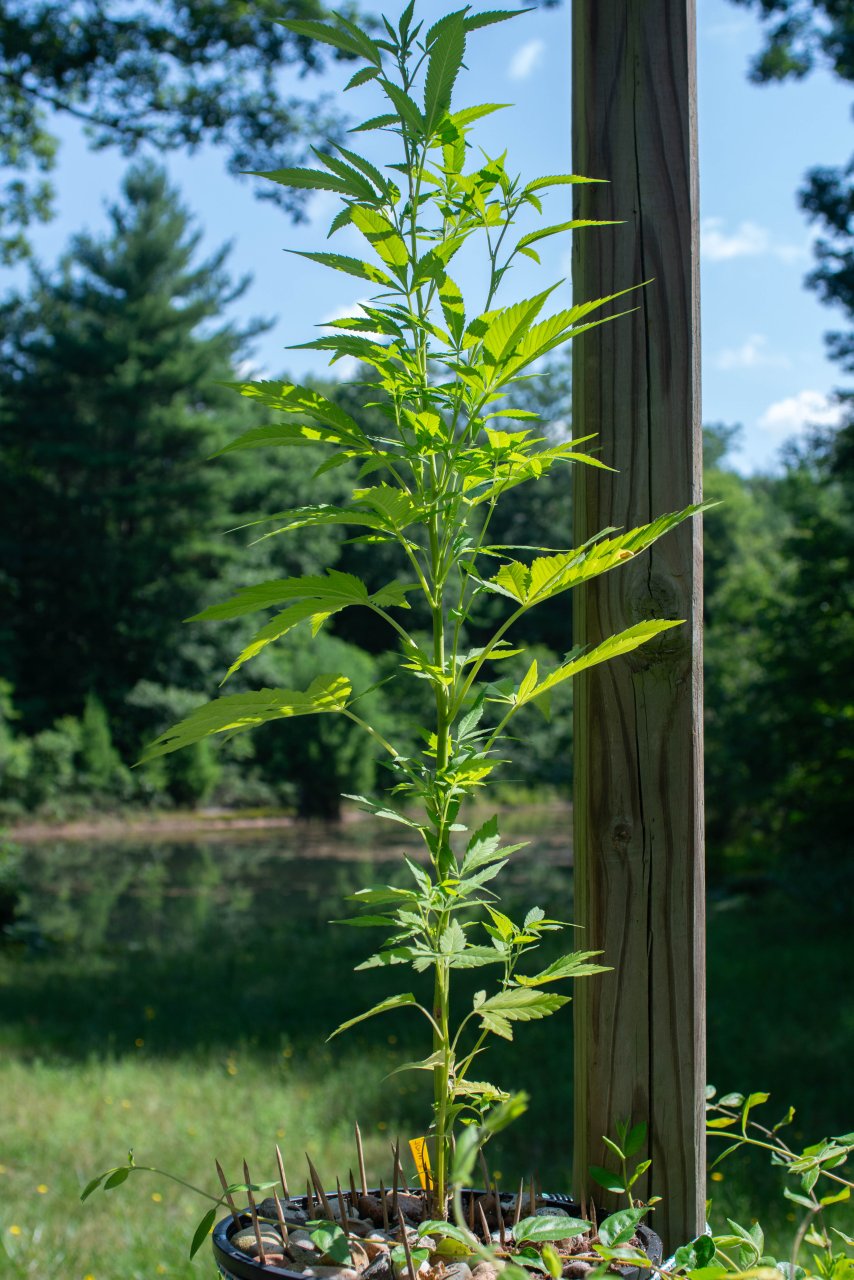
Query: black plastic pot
pixel 234 1265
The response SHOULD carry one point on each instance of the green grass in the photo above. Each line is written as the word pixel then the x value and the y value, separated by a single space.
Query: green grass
pixel 176 999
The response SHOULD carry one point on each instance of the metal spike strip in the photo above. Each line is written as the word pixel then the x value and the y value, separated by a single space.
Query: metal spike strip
pixel 283 1226
pixel 262 1256
pixel 229 1199
pixel 282 1177
pixel 384 1203
pixel 318 1186
pixel 484 1225
pixel 518 1212
pixel 406 1249
pixel 360 1152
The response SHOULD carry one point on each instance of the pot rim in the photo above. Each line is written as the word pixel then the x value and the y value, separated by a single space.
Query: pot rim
pixel 235 1265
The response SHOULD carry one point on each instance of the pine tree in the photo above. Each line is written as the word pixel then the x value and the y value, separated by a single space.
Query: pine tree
pixel 109 408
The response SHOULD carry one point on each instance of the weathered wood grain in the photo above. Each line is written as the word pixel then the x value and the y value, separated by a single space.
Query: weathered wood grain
pixel 640 1032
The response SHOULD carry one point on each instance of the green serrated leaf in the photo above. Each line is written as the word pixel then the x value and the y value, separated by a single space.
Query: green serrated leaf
pixel 446 58
pixel 238 712
pixel 391 1002
pixel 348 37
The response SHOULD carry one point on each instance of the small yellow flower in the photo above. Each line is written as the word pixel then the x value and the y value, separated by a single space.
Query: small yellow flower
pixel 156 1197
pixel 14 1230
pixel 2 1168
pixel 280 1133
pixel 160 1269
pixel 42 1189
pixel 717 1176
pixel 150 1013
pixel 139 1042
pixel 89 1276
pixel 126 1104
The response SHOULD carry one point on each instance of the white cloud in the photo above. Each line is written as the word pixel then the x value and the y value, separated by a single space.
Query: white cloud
pixel 747 240
pixel 796 413
pixel 343 313
pixel 249 371
pixel 526 59
pixel 752 354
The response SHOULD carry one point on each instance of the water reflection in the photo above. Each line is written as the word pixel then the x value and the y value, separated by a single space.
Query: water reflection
pixel 192 944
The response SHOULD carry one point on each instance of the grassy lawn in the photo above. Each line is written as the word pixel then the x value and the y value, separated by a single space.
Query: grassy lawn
pixel 177 1001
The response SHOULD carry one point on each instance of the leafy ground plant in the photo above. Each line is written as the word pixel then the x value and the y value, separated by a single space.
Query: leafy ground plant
pixel 442 370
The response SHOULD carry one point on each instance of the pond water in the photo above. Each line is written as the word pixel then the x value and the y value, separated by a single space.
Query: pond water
pixel 105 932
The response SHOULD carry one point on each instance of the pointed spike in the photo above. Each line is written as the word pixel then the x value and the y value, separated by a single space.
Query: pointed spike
pixel 229 1199
pixel 502 1236
pixel 396 1151
pixel 354 1199
pixel 342 1209
pixel 484 1225
pixel 262 1257
pixel 318 1186
pixel 384 1203
pixel 283 1226
pixel 309 1202
pixel 517 1213
pixel 396 1156
pixel 406 1249
pixel 487 1181
pixel 360 1152
pixel 280 1162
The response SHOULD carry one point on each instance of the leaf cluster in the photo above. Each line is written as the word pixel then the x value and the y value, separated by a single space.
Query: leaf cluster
pixel 444 439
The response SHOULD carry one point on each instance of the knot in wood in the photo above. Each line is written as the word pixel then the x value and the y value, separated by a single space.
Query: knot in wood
pixel 621 835
pixel 657 595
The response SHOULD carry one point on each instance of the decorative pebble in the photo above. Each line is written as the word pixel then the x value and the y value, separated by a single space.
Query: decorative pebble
pixel 459 1271
pixel 577 1270
pixel 246 1242
pixel 380 1268
pixel 331 1273
pixel 487 1271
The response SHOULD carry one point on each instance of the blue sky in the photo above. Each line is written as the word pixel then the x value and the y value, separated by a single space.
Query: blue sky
pixel 763 357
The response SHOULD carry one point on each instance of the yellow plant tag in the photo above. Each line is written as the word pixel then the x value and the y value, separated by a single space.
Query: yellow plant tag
pixel 421 1156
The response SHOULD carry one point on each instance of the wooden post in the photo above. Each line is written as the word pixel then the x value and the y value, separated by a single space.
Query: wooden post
pixel 640 1031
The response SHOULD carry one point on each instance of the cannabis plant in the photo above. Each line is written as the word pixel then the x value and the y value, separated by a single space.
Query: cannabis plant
pixel 441 370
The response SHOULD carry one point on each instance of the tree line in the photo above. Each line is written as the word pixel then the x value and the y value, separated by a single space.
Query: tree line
pixel 114 527
pixel 112 521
